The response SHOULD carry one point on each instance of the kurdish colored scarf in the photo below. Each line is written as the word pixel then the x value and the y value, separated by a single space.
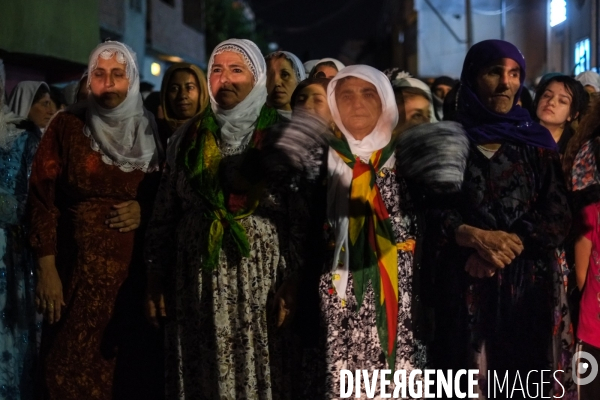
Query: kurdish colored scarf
pixel 200 157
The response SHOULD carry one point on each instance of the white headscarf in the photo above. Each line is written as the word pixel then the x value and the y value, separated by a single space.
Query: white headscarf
pixel 308 66
pixel 295 61
pixel 416 83
pixel 340 174
pixel 8 131
pixel 298 70
pixel 21 98
pixel 590 78
pixel 126 135
pixel 338 63
pixel 238 123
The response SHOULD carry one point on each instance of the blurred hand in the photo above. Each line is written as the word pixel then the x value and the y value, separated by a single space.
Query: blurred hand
pixel 284 303
pixel 48 290
pixel 155 300
pixel 126 217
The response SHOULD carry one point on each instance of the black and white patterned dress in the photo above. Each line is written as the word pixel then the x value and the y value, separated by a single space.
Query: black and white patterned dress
pixel 221 338
pixel 351 335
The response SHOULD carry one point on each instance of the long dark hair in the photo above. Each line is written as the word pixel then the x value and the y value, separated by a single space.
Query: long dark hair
pixel 579 97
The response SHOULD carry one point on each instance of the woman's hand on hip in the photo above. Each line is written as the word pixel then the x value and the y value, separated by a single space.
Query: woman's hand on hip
pixel 48 290
pixel 126 216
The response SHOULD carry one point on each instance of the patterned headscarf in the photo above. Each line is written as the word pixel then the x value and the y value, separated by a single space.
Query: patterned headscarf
pixel 238 123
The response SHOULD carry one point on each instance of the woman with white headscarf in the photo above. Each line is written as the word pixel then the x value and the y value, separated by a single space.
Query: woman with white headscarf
pixel 92 185
pixel 284 72
pixel 222 241
pixel 18 327
pixel 31 101
pixel 326 68
pixel 368 292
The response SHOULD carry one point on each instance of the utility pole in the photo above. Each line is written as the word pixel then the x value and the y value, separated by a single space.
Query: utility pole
pixel 503 19
pixel 469 24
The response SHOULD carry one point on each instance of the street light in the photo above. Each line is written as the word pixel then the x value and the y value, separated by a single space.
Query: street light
pixel 155 69
pixel 558 12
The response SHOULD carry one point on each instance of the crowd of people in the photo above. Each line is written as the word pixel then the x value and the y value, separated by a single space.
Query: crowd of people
pixel 262 227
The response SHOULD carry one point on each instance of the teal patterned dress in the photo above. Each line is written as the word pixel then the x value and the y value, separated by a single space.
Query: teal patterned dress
pixel 18 325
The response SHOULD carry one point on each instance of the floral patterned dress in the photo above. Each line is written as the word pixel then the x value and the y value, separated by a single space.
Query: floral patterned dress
pixel 19 327
pixel 221 338
pixel 351 339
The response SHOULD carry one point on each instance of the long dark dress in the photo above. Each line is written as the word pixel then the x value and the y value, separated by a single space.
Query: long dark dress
pixel 102 347
pixel 521 190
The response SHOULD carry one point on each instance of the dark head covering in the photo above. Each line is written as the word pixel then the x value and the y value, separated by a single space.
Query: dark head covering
pixel 443 80
pixel 484 126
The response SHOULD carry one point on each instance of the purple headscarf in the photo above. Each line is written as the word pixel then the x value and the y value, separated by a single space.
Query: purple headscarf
pixel 484 126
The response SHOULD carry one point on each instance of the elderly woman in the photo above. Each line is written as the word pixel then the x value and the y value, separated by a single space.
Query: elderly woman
pixel 183 95
pixel 503 231
pixel 94 170
pixel 367 294
pixel 284 72
pixel 221 241
pixel 18 327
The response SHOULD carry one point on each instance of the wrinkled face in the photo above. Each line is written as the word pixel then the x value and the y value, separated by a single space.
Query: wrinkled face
pixel 554 107
pixel 183 94
pixel 281 82
pixel 498 83
pixel 230 79
pixel 109 83
pixel 325 71
pixel 42 111
pixel 313 99
pixel 441 91
pixel 416 109
pixel 359 106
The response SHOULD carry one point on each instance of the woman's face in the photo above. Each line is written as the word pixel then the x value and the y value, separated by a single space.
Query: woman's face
pixel 327 71
pixel 313 99
pixel 359 106
pixel 183 94
pixel 417 109
pixel 109 83
pixel 230 79
pixel 41 111
pixel 554 108
pixel 281 82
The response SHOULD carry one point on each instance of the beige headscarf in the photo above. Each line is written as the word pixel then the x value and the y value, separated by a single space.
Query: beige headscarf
pixel 203 100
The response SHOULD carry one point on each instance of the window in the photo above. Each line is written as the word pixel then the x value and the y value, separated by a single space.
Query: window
pixel 582 56
pixel 558 12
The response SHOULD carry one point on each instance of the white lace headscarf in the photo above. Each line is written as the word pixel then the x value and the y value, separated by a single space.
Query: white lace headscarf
pixel 126 135
pixel 8 131
pixel 238 123
pixel 340 174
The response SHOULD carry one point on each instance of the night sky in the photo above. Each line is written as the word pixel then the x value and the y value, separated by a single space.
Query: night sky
pixel 314 29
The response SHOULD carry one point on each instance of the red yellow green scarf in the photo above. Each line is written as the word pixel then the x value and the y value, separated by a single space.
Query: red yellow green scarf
pixel 200 157
pixel 373 253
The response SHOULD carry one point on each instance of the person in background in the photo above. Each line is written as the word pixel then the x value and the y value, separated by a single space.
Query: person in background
pixel 501 296
pixel 31 101
pixel 526 102
pixel 19 327
pixel 311 96
pixel 415 97
pixel 559 103
pixel 590 81
pixel 326 68
pixel 584 180
pixel 183 95
pixel 284 72
pixel 92 187
pixel 308 66
pixel 440 88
